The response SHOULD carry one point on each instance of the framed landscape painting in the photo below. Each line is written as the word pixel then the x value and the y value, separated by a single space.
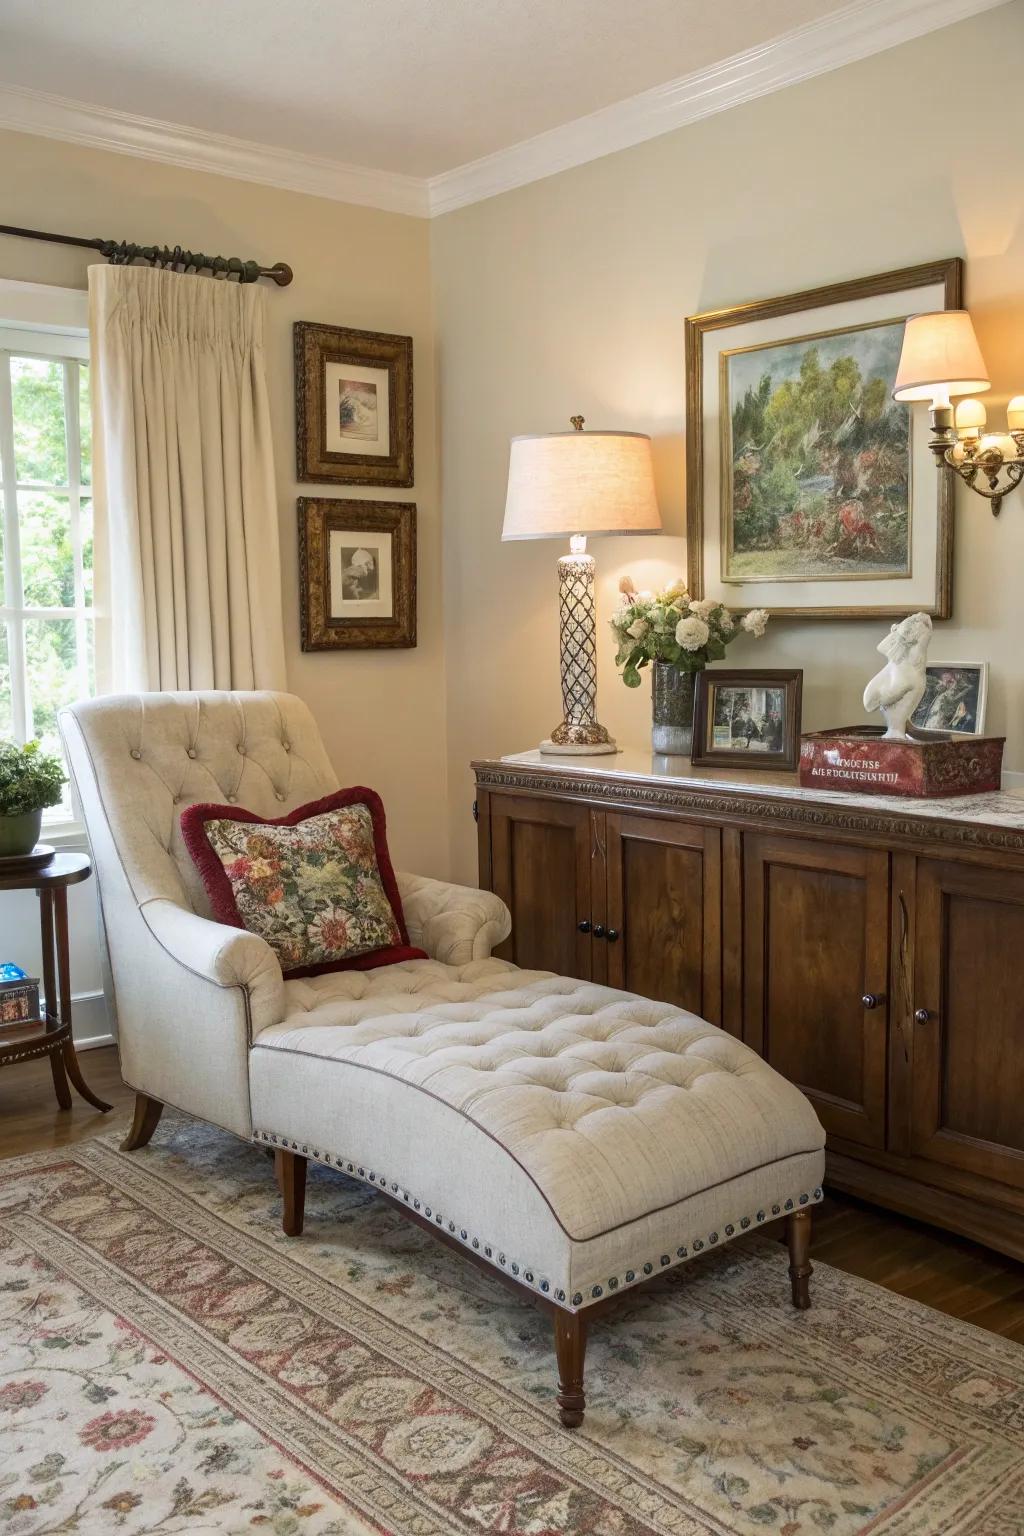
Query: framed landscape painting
pixel 353 405
pixel 810 491
pixel 357 574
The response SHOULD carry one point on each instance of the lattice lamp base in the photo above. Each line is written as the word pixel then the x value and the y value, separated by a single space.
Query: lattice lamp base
pixel 578 734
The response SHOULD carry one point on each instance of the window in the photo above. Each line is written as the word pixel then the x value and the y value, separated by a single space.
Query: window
pixel 46 629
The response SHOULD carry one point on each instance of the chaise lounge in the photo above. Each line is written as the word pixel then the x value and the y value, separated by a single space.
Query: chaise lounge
pixel 573 1139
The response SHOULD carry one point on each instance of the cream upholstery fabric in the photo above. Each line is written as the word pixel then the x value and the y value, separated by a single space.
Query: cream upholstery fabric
pixel 188 991
pixel 188 581
pixel 574 1131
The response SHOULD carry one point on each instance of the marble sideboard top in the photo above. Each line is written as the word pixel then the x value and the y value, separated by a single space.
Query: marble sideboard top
pixel 1002 808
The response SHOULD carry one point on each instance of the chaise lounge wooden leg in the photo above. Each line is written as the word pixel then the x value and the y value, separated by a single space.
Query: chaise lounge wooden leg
pixel 570 1349
pixel 798 1237
pixel 290 1168
pixel 147 1118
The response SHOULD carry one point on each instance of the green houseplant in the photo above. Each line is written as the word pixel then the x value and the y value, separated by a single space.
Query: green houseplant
pixel 30 780
pixel 678 636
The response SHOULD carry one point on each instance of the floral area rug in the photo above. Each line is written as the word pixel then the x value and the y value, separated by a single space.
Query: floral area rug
pixel 170 1362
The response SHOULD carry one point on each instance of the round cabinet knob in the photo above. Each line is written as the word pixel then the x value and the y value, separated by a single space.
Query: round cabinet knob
pixel 599 930
pixel 584 927
pixel 922 1016
pixel 613 934
pixel 871 1000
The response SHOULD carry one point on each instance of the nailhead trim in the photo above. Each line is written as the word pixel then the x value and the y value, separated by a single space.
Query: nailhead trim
pixel 597 1291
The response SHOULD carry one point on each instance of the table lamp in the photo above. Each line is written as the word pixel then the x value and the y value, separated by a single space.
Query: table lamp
pixel 568 485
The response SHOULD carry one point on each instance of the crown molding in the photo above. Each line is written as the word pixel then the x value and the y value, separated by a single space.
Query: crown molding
pixel 860 29
pixel 55 117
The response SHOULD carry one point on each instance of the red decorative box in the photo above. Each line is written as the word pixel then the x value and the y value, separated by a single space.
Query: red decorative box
pixel 857 758
pixel 19 1001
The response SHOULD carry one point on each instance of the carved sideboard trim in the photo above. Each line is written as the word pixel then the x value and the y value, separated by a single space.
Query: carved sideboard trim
pixel 979 836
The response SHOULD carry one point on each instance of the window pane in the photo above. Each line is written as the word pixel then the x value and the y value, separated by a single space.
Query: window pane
pixel 85 528
pixel 40 450
pixel 85 422
pixel 6 712
pixel 47 560
pixel 53 676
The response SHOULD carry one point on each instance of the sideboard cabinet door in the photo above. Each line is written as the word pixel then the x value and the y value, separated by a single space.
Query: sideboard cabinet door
pixel 664 937
pixel 968 1030
pixel 540 867
pixel 816 919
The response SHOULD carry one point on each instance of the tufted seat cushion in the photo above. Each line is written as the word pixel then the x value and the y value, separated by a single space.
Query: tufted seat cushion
pixel 578 1136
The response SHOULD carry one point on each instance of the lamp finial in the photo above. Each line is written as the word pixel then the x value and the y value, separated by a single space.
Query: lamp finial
pixel 576 422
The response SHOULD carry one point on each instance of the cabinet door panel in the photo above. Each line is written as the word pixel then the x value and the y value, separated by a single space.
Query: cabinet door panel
pixel 968 1068
pixel 816 945
pixel 664 902
pixel 540 867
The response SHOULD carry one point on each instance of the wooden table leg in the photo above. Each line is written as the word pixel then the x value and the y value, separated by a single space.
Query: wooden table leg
pixel 69 1055
pixel 60 1081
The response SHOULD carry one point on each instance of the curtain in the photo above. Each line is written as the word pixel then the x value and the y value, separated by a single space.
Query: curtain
pixel 187 563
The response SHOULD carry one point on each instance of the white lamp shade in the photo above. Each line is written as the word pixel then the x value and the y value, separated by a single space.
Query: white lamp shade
pixel 580 482
pixel 940 356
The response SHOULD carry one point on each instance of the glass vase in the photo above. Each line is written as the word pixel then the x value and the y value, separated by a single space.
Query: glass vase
pixel 672 710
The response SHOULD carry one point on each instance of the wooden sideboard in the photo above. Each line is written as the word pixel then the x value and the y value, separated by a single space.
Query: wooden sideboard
pixel 871 950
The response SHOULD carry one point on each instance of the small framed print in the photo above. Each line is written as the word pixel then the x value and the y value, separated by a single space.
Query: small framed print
pixel 353 405
pixel 357 574
pixel 747 718
pixel 955 696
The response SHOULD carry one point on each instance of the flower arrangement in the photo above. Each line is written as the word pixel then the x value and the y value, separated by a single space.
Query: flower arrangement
pixel 30 779
pixel 670 626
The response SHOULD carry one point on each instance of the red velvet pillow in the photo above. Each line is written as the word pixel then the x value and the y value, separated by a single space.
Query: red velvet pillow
pixel 317 885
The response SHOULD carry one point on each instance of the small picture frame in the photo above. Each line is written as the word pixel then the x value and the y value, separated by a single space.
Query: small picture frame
pixel 353 405
pixel 357 574
pixel 955 697
pixel 747 718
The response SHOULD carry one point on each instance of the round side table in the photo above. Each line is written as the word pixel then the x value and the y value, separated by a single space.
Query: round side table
pixel 51 1036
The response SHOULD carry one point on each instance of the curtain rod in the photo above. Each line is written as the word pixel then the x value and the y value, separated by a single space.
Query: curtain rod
pixel 121 253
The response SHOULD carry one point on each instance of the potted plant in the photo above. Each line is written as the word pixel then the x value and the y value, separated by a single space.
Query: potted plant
pixel 679 636
pixel 30 780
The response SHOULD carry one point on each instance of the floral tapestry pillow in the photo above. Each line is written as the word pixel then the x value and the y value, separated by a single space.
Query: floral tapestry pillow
pixel 317 885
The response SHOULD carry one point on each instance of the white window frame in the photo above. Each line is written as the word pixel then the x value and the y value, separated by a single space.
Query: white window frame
pixel 38 320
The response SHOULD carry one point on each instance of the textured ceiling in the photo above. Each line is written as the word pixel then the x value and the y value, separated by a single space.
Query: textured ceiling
pixel 414 86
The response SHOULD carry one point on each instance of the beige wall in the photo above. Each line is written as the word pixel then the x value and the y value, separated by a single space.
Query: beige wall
pixel 569 295
pixel 381 713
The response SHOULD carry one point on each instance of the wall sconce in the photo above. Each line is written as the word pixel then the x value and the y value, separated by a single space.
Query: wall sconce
pixel 941 358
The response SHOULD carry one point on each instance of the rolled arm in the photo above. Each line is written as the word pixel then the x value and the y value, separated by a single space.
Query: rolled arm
pixel 453 923
pixel 225 956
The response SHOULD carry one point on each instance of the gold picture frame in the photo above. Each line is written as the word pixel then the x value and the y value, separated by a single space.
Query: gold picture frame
pixel 353 405
pixel 849 562
pixel 357 574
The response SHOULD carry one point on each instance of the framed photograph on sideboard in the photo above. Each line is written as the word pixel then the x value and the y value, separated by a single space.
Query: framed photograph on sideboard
pixel 955 696
pixel 747 718
pixel 810 491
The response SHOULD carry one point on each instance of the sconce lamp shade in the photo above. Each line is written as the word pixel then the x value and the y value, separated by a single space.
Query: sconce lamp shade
pixel 940 357
pixel 565 483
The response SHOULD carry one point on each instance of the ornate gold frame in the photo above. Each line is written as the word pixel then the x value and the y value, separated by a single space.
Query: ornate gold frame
pixel 318 518
pixel 315 347
pixel 948 272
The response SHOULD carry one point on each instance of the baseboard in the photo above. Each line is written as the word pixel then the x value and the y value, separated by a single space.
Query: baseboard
pixel 90 1021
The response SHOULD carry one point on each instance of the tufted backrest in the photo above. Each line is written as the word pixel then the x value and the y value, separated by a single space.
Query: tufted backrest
pixel 139 759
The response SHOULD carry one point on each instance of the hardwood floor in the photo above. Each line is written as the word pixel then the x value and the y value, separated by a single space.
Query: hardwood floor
pixel 946 1272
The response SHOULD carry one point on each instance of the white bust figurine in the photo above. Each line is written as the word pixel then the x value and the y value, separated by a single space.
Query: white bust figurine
pixel 899 688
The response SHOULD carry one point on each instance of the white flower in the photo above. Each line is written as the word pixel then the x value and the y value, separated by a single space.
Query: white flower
pixel 692 633
pixel 755 622
pixel 645 596
pixel 620 619
pixel 725 621
pixel 704 606
pixel 677 589
pixel 638 629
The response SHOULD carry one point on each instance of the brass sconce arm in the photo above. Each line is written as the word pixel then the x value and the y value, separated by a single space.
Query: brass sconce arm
pixel 982 463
